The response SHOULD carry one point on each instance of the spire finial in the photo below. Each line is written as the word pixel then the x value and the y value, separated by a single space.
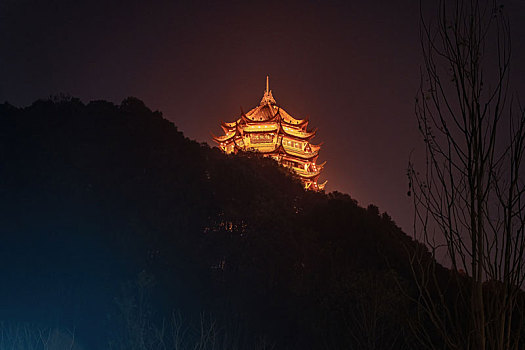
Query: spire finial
pixel 267 97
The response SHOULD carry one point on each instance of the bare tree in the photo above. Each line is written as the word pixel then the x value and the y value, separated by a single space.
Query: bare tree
pixel 28 337
pixel 469 207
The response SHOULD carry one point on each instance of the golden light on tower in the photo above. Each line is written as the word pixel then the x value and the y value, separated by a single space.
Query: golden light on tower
pixel 270 131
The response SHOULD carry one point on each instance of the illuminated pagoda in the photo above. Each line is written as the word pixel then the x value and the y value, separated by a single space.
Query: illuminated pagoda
pixel 268 130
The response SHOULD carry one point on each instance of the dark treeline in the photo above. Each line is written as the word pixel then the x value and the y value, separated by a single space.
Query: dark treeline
pixel 113 222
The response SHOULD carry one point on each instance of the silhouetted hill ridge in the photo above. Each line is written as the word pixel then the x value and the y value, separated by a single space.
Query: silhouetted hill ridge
pixel 95 194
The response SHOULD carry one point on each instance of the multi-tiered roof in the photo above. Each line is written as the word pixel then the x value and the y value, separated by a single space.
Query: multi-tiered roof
pixel 267 129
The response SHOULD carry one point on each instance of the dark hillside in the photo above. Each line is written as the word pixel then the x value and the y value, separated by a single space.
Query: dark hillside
pixel 109 214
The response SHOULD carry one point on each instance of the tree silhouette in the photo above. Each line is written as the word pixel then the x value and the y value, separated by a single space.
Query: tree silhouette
pixel 468 201
pixel 100 201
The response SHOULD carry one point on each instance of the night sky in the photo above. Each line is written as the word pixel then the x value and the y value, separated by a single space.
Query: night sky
pixel 352 67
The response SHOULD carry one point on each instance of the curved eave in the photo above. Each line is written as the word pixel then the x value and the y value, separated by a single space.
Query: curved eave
pixel 307 174
pixel 229 125
pixel 228 129
pixel 321 166
pixel 312 176
pixel 306 137
pixel 300 155
pixel 287 118
pixel 215 138
pixel 316 148
pixel 280 115
pixel 244 119
pixel 272 124
pixel 273 129
pixel 259 131
pixel 249 117
pixel 223 138
pixel 300 123
pixel 322 186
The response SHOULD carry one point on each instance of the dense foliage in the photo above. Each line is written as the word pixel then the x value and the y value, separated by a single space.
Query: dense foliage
pixel 111 220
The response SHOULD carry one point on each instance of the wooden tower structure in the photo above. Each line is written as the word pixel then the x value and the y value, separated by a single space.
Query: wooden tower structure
pixel 270 131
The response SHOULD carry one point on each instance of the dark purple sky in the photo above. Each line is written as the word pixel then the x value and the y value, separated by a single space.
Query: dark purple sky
pixel 351 66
